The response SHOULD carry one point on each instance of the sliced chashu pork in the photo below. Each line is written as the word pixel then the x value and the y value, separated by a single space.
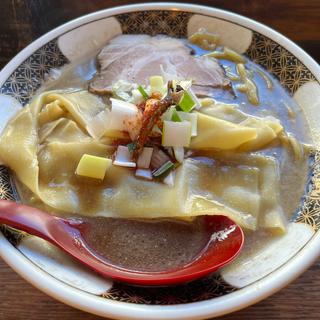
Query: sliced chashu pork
pixel 134 58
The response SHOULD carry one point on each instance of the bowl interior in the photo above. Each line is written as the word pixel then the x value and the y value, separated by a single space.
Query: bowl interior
pixel 257 42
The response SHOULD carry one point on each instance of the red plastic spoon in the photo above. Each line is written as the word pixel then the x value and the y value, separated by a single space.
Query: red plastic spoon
pixel 225 240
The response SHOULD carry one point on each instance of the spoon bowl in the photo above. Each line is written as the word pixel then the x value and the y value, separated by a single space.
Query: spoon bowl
pixel 225 240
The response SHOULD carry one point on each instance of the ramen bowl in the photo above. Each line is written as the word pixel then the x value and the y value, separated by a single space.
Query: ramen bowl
pixel 64 279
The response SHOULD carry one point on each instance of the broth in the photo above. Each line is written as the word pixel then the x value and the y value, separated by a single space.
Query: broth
pixel 162 244
pixel 293 174
pixel 146 245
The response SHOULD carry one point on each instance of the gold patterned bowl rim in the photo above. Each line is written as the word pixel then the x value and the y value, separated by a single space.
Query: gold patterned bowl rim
pixel 196 310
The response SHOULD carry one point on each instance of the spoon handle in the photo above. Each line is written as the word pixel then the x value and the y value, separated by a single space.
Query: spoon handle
pixel 28 219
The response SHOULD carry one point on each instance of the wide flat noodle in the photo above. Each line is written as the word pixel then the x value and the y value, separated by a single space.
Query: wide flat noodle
pixel 217 188
pixel 24 138
pixel 271 214
pixel 220 134
pixel 225 127
pixel 44 155
pixel 81 105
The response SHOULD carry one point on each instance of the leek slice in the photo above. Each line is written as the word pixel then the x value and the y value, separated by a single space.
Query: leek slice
pixel 164 170
pixel 121 111
pixel 186 103
pixel 176 134
pixel 195 99
pixel 179 153
pixel 93 167
pixel 157 84
pixel 158 158
pixel 186 85
pixel 189 101
pixel 193 118
pixel 184 116
pixel 145 158
pixel 123 158
pixel 144 173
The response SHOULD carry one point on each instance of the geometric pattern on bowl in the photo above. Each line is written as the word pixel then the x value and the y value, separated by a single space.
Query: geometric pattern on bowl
pixel 292 73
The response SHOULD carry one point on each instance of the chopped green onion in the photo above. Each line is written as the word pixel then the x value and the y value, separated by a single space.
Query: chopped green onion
pixel 186 103
pixel 131 146
pixel 175 116
pixel 164 170
pixel 143 92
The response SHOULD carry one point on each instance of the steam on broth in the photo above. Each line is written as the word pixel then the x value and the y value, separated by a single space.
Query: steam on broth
pixel 169 135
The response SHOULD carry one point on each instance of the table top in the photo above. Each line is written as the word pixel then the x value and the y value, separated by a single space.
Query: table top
pixel 22 21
